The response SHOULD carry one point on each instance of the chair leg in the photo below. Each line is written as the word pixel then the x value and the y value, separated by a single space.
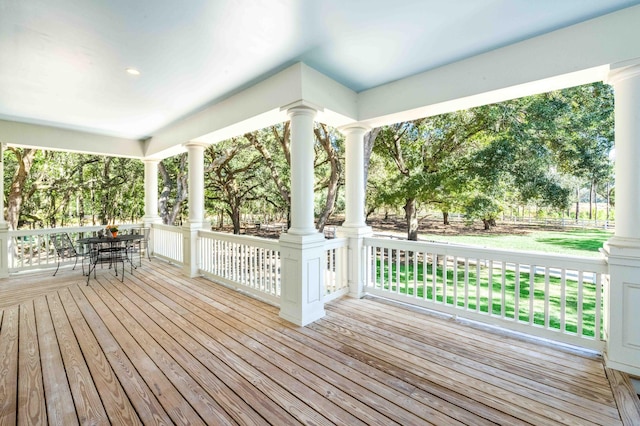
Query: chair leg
pixel 54 274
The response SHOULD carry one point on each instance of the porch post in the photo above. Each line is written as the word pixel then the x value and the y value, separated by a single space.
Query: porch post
pixel 623 249
pixel 151 192
pixel 354 227
pixel 4 226
pixel 302 248
pixel 196 208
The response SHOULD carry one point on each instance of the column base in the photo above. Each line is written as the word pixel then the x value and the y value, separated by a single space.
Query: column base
pixel 190 265
pixel 355 258
pixel 622 350
pixel 302 264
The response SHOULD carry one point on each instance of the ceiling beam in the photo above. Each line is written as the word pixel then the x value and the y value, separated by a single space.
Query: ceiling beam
pixel 54 138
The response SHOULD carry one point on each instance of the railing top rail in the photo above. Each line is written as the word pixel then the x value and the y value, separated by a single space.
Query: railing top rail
pixel 335 243
pixel 49 231
pixel 249 240
pixel 598 265
pixel 166 227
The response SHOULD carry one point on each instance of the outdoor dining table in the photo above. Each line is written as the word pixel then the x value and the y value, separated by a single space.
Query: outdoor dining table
pixel 109 250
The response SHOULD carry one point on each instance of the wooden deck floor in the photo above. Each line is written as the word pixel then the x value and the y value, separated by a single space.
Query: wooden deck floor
pixel 164 349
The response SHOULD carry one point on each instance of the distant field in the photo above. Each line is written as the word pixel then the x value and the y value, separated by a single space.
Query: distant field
pixel 578 242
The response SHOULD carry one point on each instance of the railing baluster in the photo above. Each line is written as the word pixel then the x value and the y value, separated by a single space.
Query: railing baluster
pixel 598 316
pixel 516 297
pixel 503 290
pixel 478 294
pixel 532 290
pixel 546 297
pixel 434 275
pixel 580 301
pixel 444 279
pixel 490 287
pixel 466 283
pixel 455 281
pixel 563 300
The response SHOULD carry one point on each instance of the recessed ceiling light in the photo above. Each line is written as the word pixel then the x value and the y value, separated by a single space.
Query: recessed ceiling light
pixel 133 71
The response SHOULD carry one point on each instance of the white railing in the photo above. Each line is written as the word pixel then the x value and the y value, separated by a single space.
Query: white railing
pixel 32 248
pixel 561 300
pixel 248 263
pixel 167 243
pixel 335 274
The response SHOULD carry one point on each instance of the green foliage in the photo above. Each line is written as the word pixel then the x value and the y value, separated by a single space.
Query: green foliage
pixel 63 189
pixel 533 150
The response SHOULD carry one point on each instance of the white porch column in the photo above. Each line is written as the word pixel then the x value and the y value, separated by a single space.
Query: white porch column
pixel 151 192
pixel 354 227
pixel 4 226
pixel 302 177
pixel 196 208
pixel 623 322
pixel 302 248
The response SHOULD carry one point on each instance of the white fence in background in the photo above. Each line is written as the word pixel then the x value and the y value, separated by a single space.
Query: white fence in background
pixel 335 276
pixel 167 242
pixel 561 300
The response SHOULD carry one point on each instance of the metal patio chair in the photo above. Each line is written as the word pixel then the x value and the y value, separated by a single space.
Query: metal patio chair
pixel 66 250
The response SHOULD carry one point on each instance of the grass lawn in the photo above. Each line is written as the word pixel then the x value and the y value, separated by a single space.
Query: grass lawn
pixel 501 293
pixel 577 242
pixel 485 292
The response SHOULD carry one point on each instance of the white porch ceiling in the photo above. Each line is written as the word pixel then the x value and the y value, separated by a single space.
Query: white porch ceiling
pixel 62 63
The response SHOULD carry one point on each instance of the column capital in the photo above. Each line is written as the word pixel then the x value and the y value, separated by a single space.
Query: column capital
pixel 623 72
pixel 301 107
pixel 151 160
pixel 195 144
pixel 354 128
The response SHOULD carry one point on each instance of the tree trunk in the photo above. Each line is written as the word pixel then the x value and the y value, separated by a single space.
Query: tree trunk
pixel 591 201
pixel 24 158
pixel 487 224
pixel 234 213
pixel 577 204
pixel 445 218
pixel 369 142
pixel 169 213
pixel 411 216
pixel 275 171
pixel 608 201
pixel 595 204
pixel 324 139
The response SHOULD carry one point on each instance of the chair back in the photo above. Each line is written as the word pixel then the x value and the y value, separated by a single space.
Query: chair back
pixel 64 246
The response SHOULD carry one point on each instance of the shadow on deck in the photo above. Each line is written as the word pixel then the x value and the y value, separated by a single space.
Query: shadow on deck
pixel 162 348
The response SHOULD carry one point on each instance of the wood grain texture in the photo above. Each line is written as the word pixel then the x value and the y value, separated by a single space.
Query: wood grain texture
pixel 60 408
pixel 9 366
pixel 162 348
pixel 31 402
pixel 115 402
pixel 625 396
pixel 85 395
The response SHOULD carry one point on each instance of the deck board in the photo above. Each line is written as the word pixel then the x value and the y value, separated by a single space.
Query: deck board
pixel 60 408
pixel 162 348
pixel 31 402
